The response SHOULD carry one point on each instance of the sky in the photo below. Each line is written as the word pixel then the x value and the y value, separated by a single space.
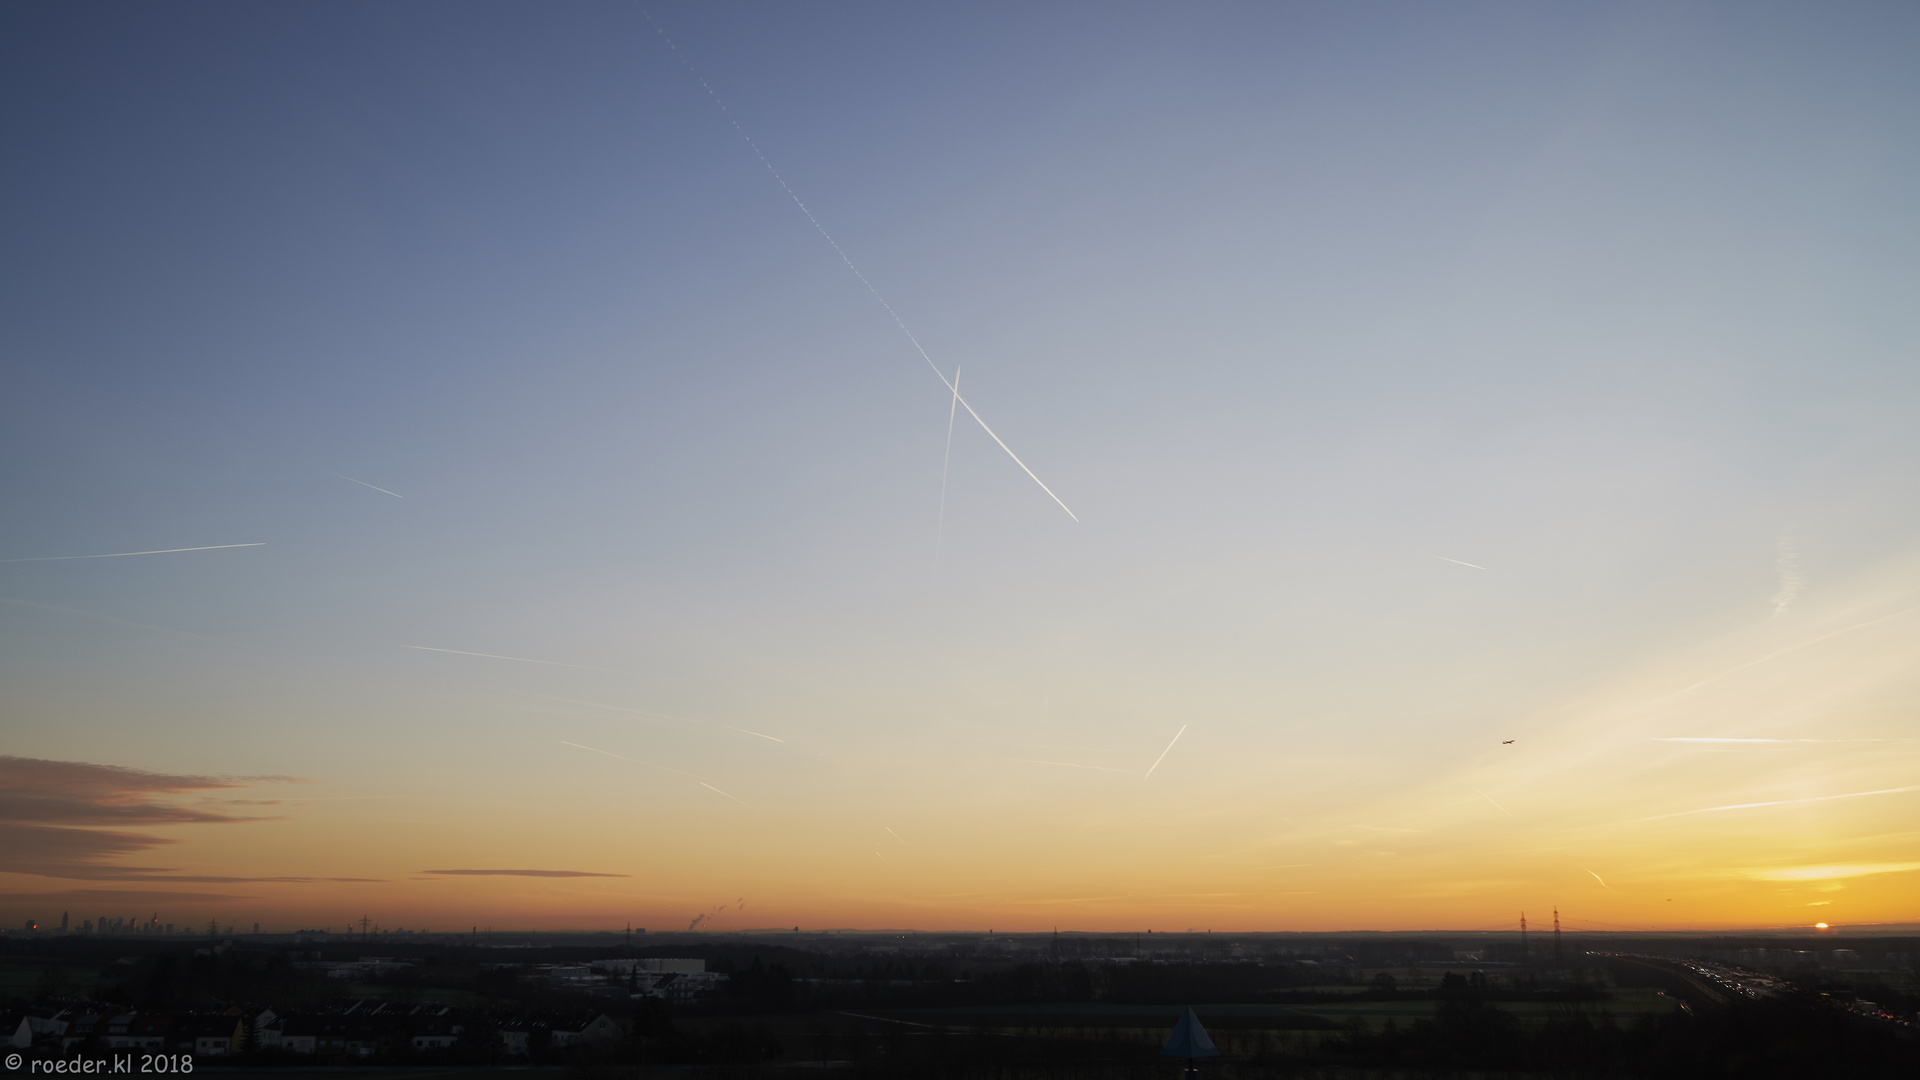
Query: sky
pixel 1478 446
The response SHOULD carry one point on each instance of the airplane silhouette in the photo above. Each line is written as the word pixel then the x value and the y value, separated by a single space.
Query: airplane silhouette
pixel 1506 742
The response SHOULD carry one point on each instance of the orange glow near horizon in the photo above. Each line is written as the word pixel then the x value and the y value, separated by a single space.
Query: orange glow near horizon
pixel 1747 783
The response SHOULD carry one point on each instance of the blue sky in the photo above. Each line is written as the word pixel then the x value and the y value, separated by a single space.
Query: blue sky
pixel 1284 301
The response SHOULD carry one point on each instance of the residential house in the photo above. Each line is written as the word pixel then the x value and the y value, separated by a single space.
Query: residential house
pixel 138 1031
pixel 39 1027
pixel 209 1036
pixel 586 1029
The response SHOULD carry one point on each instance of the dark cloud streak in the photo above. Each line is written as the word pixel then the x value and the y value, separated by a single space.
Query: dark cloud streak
pixel 523 873
pixel 51 813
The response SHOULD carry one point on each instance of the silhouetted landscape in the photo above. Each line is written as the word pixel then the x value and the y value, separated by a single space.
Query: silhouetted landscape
pixel 974 1005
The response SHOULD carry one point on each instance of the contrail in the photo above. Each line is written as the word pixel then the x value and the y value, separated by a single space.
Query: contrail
pixel 1163 753
pixel 123 622
pixel 952 411
pixel 678 772
pixel 518 659
pixel 1782 802
pixel 124 554
pixel 1072 765
pixel 1457 562
pixel 625 709
pixel 375 487
pixel 1787 564
pixel 1601 880
pixel 1789 649
pixel 711 788
pixel 645 712
pixel 893 834
pixel 897 321
pixel 1496 805
pixel 636 761
pixel 1698 738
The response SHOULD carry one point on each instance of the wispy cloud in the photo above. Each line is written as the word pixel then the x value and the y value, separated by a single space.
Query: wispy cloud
pixel 1457 562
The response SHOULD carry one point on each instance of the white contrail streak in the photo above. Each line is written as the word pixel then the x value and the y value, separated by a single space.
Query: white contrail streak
pixel 1601 880
pixel 897 321
pixel 716 790
pixel 1496 805
pixel 1789 649
pixel 893 834
pixel 678 772
pixel 1792 581
pixel 1698 738
pixel 517 659
pixel 375 487
pixel 656 715
pixel 636 761
pixel 1163 753
pixel 124 554
pixel 1067 764
pixel 953 410
pixel 625 709
pixel 123 622
pixel 1782 802
pixel 1457 562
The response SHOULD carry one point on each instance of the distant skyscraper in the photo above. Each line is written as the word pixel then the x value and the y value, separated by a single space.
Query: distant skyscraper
pixel 1557 962
pixel 1523 936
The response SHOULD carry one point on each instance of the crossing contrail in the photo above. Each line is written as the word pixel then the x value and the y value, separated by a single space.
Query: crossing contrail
pixel 1163 753
pixel 953 410
pixel 124 554
pixel 897 320
pixel 375 487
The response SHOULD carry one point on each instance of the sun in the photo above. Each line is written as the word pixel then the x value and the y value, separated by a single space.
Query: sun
pixel 1819 926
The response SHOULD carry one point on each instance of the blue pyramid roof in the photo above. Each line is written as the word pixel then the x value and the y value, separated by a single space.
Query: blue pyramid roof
pixel 1189 1039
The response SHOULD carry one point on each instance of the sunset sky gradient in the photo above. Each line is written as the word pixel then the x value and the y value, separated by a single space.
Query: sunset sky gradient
pixel 1421 377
